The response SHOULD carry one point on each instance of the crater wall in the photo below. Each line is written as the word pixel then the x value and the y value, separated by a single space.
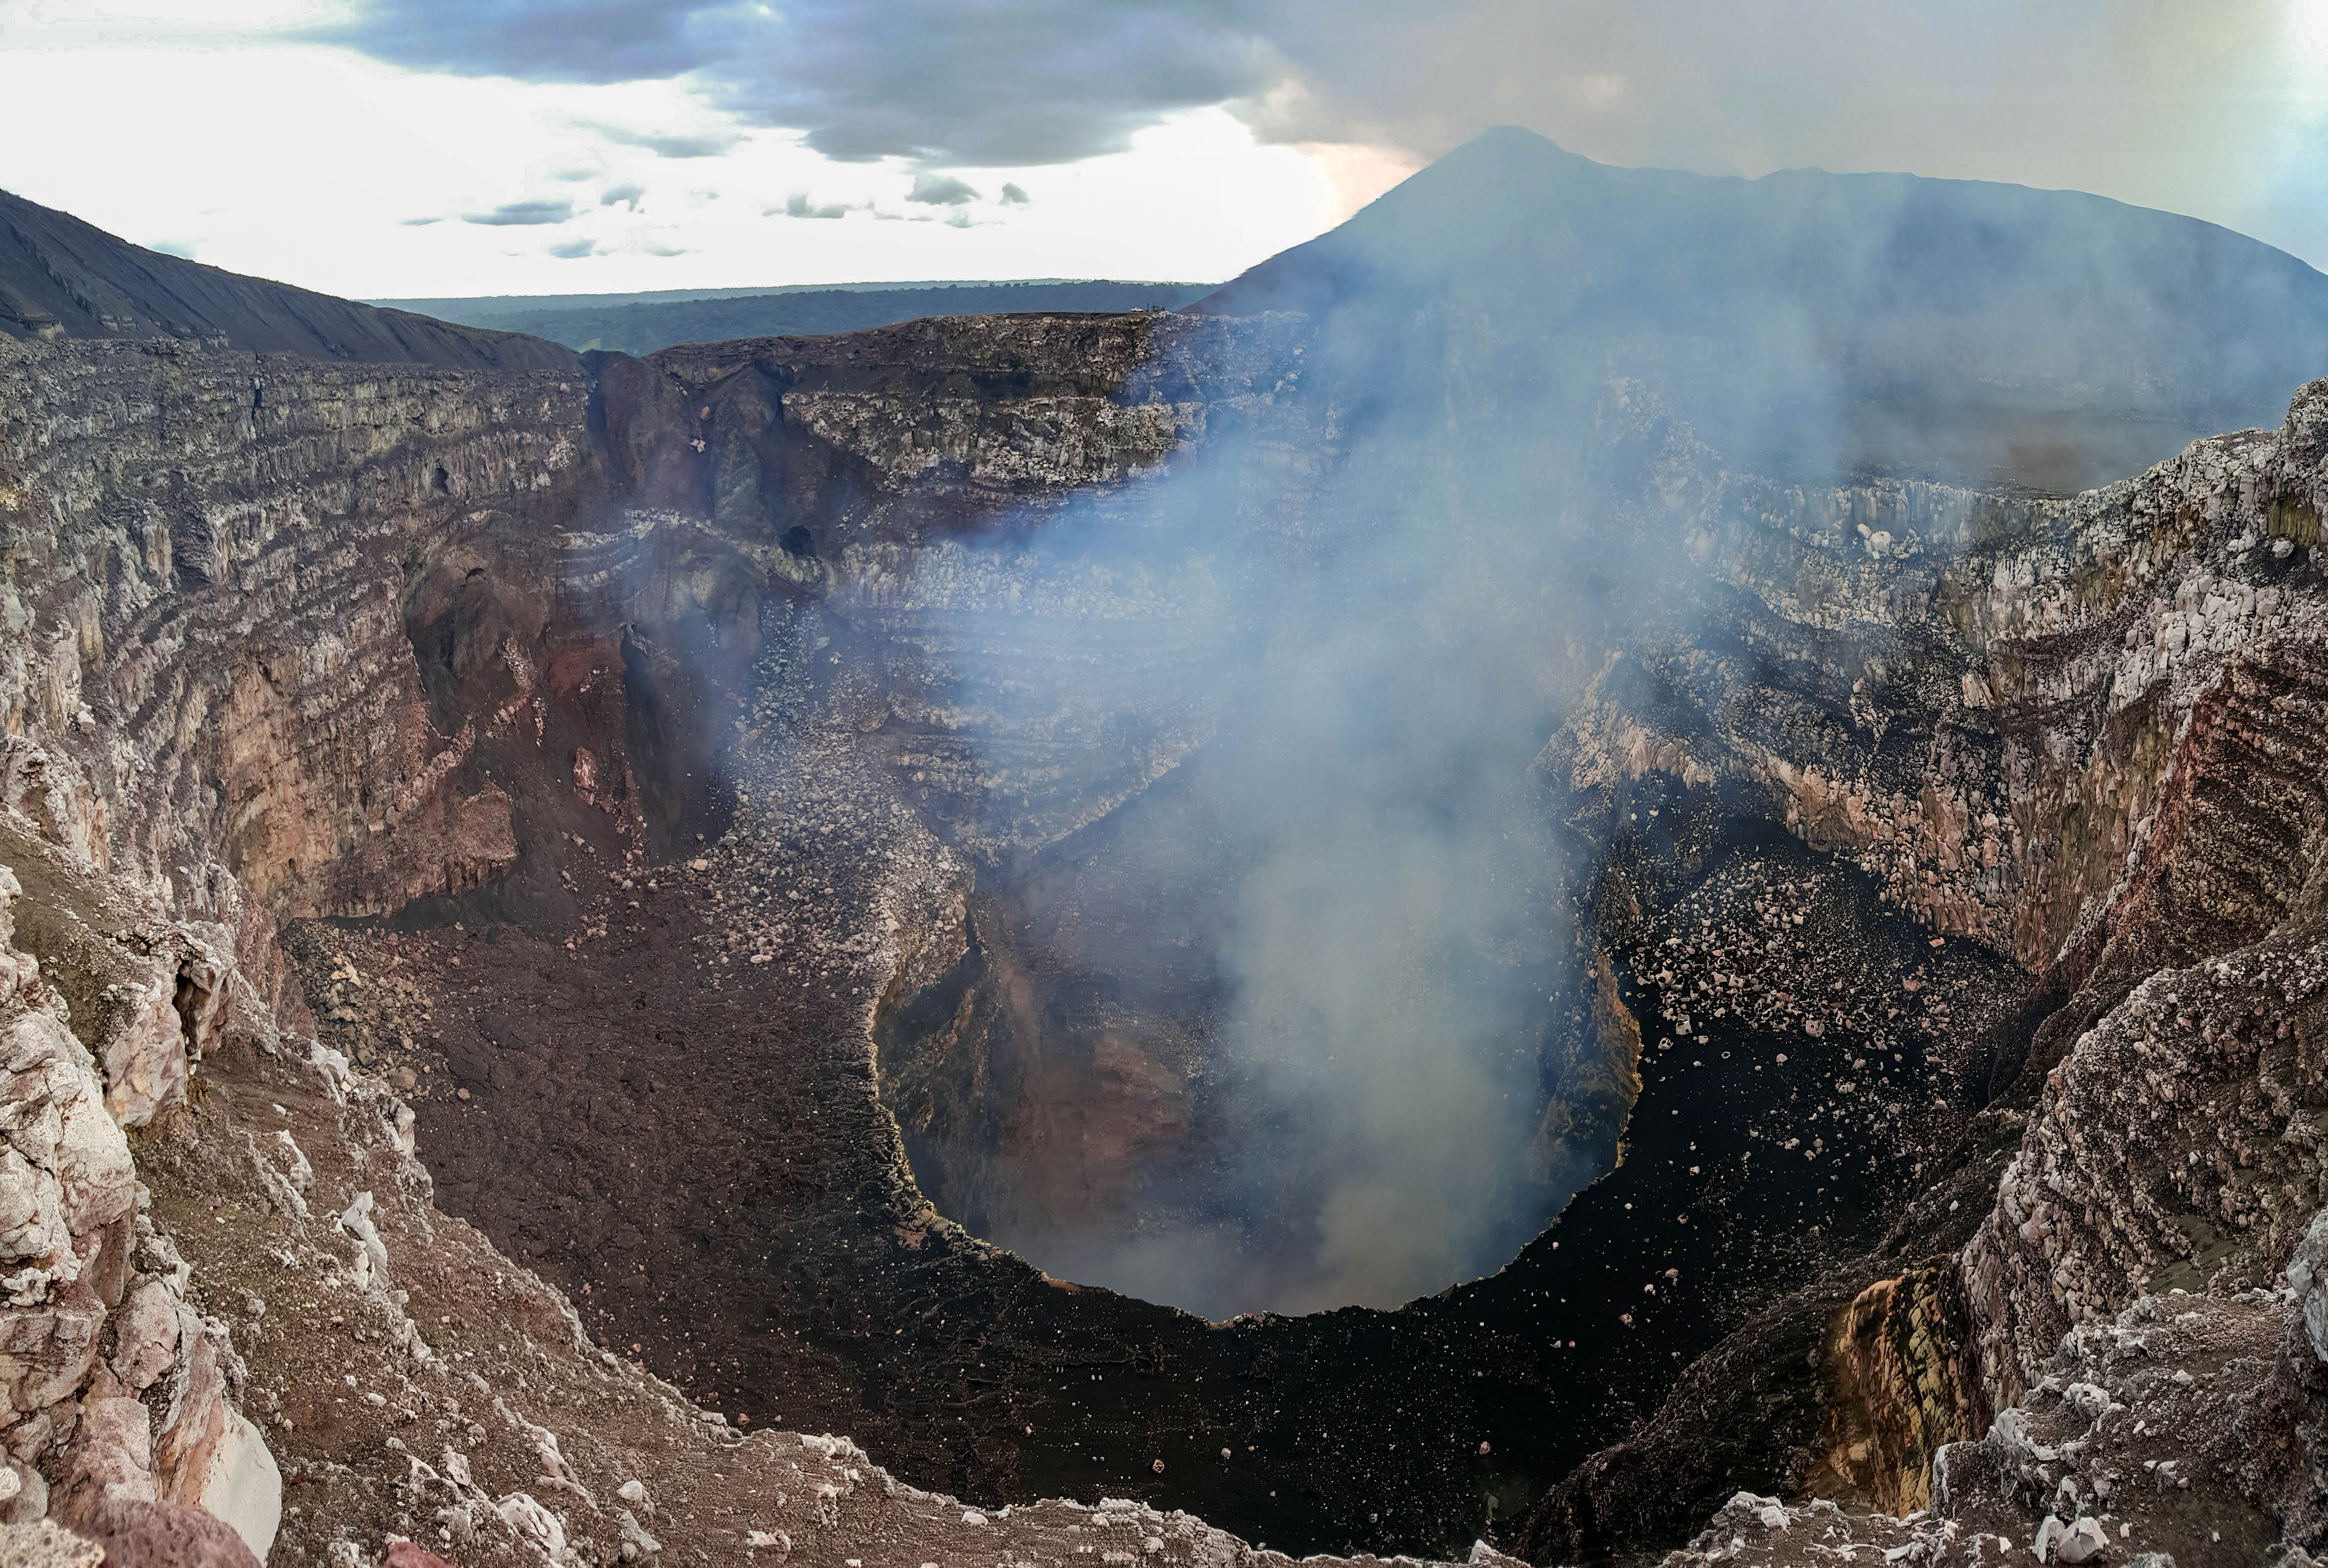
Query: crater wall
pixel 606 686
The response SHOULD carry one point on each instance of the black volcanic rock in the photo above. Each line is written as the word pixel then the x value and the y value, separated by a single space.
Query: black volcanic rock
pixel 1822 322
pixel 62 277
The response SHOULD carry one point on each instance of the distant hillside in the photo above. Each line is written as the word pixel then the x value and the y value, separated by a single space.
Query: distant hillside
pixel 1808 320
pixel 639 325
pixel 498 310
pixel 62 277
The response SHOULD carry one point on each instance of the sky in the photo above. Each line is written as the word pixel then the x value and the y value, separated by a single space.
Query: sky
pixel 381 148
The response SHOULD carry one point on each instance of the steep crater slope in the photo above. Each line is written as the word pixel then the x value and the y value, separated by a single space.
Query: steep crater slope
pixel 869 1294
pixel 496 617
pixel 62 277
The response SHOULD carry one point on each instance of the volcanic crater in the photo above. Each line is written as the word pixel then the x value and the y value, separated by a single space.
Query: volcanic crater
pixel 1423 905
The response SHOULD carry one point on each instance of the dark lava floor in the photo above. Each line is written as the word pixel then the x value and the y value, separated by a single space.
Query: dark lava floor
pixel 694 1150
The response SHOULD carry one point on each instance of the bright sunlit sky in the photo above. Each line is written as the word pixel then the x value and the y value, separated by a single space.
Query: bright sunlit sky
pixel 414 148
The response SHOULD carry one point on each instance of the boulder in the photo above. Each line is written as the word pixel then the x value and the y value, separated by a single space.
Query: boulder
pixel 145 1336
pixel 46 1352
pixel 112 1457
pixel 72 1176
pixel 2307 1276
pixel 211 1457
pixel 242 1485
pixel 144 1055
pixel 156 1535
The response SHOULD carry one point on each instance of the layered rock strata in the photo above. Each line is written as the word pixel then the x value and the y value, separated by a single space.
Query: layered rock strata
pixel 2143 833
pixel 283 644
pixel 298 640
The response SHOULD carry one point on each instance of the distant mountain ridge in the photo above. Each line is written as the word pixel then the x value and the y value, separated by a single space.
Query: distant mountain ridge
pixel 62 277
pixel 1811 319
pixel 635 324
pixel 1806 322
pixel 494 310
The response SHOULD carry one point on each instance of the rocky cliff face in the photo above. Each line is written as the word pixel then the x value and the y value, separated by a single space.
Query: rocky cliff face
pixel 2105 802
pixel 617 763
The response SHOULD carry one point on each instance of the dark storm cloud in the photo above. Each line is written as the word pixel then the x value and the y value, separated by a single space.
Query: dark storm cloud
pixel 521 214
pixel 1014 82
pixel 592 41
pixel 1015 196
pixel 1021 82
pixel 941 191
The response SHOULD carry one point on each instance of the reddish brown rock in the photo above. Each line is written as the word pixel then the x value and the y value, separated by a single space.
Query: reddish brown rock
pixel 409 1554
pixel 146 1534
pixel 111 1459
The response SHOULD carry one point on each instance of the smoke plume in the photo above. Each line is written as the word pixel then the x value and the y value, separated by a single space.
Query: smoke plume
pixel 1311 663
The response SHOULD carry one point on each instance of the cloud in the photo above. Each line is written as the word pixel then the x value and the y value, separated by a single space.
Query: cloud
pixel 671 144
pixel 520 214
pixel 1013 82
pixel 622 196
pixel 420 223
pixel 941 191
pixel 799 205
pixel 586 41
pixel 2214 110
pixel 573 249
pixel 575 173
pixel 1015 196
pixel 181 248
pixel 2177 105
